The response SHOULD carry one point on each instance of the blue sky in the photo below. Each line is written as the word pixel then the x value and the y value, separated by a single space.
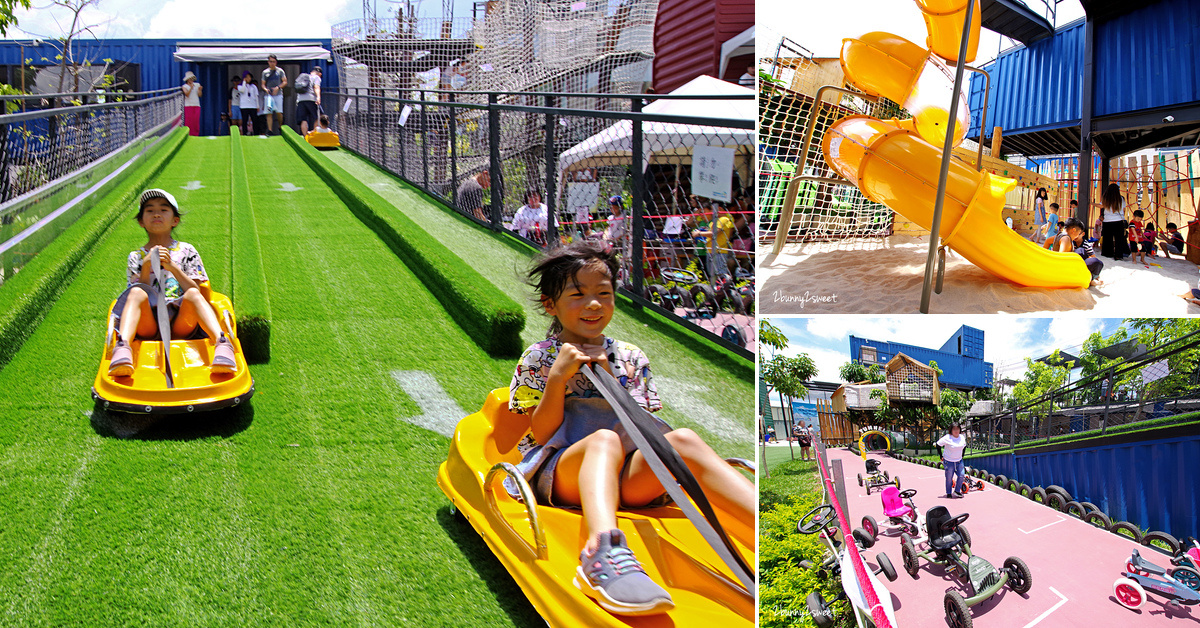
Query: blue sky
pixel 1007 339
pixel 257 19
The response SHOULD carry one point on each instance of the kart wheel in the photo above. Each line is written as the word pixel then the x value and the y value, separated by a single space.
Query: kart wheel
pixel 957 613
pixel 886 477
pixel 682 297
pixel 1089 507
pixel 1001 480
pixel 1075 509
pixel 1185 575
pixel 1019 578
pixel 1129 593
pixel 965 534
pixel 1055 501
pixel 1024 489
pixel 889 572
pixel 1162 542
pixel 869 525
pixel 860 479
pixel 1054 488
pixel 865 540
pixel 733 334
pixel 896 481
pixel 1124 528
pixel 1038 494
pixel 818 610
pixel 1098 519
pixel 908 554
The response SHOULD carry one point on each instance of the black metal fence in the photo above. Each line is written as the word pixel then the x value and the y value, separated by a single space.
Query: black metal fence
pixel 1158 384
pixel 57 148
pixel 543 168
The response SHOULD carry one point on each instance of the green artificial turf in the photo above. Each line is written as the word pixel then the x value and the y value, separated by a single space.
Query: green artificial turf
pixel 316 504
pixel 249 281
pixel 704 382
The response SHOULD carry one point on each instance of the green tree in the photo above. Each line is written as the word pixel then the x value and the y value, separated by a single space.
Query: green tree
pixel 7 13
pixel 855 372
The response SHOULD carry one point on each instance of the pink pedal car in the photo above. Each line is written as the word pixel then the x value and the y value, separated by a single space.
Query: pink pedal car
pixel 900 511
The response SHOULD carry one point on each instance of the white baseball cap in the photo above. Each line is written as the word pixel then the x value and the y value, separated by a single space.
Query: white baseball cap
pixel 157 193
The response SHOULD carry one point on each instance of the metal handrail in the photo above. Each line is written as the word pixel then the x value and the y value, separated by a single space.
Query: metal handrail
pixel 538 547
pixel 576 94
pixel 93 93
pixel 11 118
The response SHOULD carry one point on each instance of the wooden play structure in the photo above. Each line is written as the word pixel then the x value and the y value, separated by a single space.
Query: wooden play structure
pixel 911 383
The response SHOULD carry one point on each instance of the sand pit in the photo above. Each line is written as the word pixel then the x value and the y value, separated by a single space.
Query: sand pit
pixel 884 276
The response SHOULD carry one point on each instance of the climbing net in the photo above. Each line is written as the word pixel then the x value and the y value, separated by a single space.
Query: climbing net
pixel 786 102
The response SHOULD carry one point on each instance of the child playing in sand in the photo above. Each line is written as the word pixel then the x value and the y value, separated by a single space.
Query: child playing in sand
pixel 1137 236
pixel 575 458
pixel 1172 240
pixel 158 214
pixel 1077 242
pixel 1150 237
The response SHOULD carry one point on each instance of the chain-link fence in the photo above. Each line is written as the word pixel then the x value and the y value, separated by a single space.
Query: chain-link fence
pixel 1159 384
pixel 789 84
pixel 59 147
pixel 553 167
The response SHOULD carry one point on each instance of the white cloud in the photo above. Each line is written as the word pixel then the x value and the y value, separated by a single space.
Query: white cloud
pixel 827 361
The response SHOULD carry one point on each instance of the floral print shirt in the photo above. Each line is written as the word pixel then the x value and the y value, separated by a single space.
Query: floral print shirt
pixel 184 255
pixel 629 364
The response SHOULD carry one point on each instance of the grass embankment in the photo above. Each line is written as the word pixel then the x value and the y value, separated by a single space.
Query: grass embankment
pixel 26 298
pixel 1082 438
pixel 793 489
pixel 250 294
pixel 703 387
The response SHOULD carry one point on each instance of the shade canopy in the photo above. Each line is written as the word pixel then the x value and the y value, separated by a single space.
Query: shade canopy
pixel 669 142
pixel 234 54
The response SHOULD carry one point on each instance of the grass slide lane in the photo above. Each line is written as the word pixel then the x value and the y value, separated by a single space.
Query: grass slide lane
pixel 313 506
pixel 700 389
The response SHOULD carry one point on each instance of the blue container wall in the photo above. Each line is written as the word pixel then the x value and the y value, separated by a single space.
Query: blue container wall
pixel 160 70
pixel 1035 87
pixel 956 369
pixel 1148 58
pixel 967 341
pixel 1149 483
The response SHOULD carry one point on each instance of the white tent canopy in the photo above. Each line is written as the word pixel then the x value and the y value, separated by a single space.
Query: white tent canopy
pixel 669 142
pixel 234 54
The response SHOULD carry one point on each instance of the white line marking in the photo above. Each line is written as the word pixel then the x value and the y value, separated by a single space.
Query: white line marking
pixel 1061 601
pixel 1060 520
pixel 439 412
pixel 192 185
pixel 288 187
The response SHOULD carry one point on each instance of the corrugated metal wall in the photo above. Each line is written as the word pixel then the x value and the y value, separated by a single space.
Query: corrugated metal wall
pixel 688 35
pixel 159 69
pixel 1148 483
pixel 1148 58
pixel 956 369
pixel 1144 59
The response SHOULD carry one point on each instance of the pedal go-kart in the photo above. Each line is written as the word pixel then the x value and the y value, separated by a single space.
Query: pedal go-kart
pixel 949 544
pixel 900 511
pixel 179 380
pixel 539 545
pixel 876 478
pixel 1187 561
pixel 1142 576
pixel 823 520
pixel 972 484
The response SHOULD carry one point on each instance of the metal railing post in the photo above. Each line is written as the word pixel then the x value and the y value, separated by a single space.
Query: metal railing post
pixel 1108 393
pixel 639 184
pixel 551 178
pixel 494 158
pixel 1012 430
pixel 425 140
pixel 453 148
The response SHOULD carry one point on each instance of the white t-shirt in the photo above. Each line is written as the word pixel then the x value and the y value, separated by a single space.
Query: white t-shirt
pixel 192 98
pixel 527 218
pixel 952 448
pixel 1111 216
pixel 247 95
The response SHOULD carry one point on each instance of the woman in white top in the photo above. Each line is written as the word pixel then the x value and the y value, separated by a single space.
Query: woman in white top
pixel 530 219
pixel 248 101
pixel 192 91
pixel 953 445
pixel 1113 242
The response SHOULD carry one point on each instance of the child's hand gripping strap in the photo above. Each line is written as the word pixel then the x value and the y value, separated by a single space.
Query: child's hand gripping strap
pixel 670 470
pixel 164 324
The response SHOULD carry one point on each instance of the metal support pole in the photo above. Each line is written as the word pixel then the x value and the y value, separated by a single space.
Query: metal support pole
pixel 789 207
pixel 359 121
pixel 1012 430
pixel 5 184
pixel 987 92
pixel 551 178
pixel 453 149
pixel 947 148
pixel 425 140
pixel 1108 393
pixel 1083 212
pixel 639 187
pixel 494 157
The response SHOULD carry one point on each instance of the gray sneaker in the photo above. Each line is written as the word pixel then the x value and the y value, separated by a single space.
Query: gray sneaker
pixel 616 580
pixel 223 360
pixel 121 364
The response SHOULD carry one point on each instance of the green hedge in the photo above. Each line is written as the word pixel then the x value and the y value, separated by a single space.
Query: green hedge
pixel 493 319
pixel 28 296
pixel 250 296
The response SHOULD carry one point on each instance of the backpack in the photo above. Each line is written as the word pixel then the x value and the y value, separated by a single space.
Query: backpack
pixel 303 82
